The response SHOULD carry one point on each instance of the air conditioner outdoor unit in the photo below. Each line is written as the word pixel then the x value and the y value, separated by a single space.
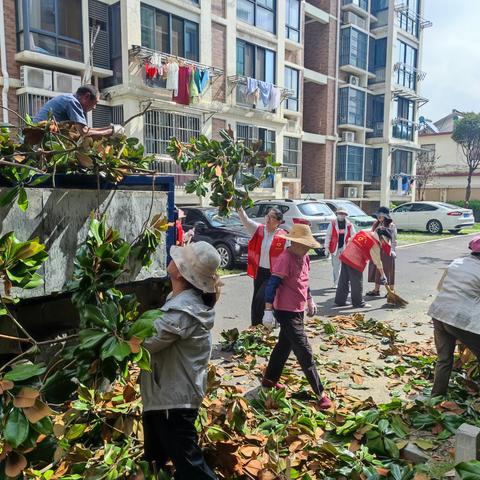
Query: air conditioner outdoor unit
pixel 348 137
pixel 36 77
pixel 66 83
pixel 350 192
pixel 354 80
pixel 351 18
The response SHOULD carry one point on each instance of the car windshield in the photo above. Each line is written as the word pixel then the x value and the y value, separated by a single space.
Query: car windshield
pixel 449 206
pixel 352 209
pixel 217 221
pixel 314 209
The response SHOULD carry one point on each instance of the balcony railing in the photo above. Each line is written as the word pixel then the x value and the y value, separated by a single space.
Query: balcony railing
pixel 169 167
pixel 403 9
pixel 379 73
pixel 404 128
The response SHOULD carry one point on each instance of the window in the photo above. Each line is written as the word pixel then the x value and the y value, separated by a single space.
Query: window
pixel 292 83
pixel 351 107
pixel 380 11
pixel 409 17
pixel 292 22
pixel 261 13
pixel 404 126
pixel 349 163
pixel 53 27
pixel 378 59
pixel 404 208
pixel 291 155
pixel 251 134
pixel 169 34
pixel 314 209
pixel 375 115
pixel 407 65
pixel 373 165
pixel 353 48
pixel 255 62
pixel 161 126
pixel 363 4
pixel 423 207
pixel 402 162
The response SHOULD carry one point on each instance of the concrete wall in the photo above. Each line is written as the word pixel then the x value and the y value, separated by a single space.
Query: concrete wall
pixel 61 217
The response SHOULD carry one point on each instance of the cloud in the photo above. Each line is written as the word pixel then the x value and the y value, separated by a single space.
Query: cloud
pixel 451 57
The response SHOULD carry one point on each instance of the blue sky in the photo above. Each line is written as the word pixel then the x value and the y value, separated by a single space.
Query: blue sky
pixel 451 57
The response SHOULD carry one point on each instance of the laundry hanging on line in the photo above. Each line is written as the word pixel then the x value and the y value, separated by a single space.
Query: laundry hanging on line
pixel 256 90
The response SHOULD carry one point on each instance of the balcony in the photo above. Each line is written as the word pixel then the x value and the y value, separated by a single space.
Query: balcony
pixel 412 17
pixel 243 99
pixel 141 57
pixel 404 129
pixel 376 130
pixel 359 7
pixel 379 73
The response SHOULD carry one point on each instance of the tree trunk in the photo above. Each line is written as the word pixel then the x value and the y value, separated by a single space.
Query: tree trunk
pixel 468 191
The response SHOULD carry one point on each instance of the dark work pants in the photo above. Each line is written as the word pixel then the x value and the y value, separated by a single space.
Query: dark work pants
pixel 350 279
pixel 171 434
pixel 292 337
pixel 258 300
pixel 446 337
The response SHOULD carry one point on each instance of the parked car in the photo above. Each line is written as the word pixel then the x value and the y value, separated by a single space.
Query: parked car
pixel 315 213
pixel 433 217
pixel 226 234
pixel 360 219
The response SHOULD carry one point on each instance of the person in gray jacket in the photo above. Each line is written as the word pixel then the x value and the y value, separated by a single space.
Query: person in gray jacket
pixel 180 350
pixel 455 313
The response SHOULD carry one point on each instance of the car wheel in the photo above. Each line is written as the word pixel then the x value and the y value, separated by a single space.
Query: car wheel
pixel 226 257
pixel 434 226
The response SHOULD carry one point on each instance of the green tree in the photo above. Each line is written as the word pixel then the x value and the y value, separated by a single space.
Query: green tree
pixel 466 133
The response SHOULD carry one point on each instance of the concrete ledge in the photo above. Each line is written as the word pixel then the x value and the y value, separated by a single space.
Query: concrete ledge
pixel 313 138
pixel 315 77
pixel 316 14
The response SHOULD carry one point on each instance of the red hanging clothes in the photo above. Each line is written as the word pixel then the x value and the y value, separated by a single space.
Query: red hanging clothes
pixel 183 79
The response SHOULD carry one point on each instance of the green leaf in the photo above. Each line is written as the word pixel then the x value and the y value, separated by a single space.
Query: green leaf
pixel 16 428
pixel 38 180
pixel 22 199
pixel 121 351
pixel 468 470
pixel 144 325
pixel 90 338
pixel 94 315
pixel 9 196
pixel 424 444
pixel 75 431
pixel 24 372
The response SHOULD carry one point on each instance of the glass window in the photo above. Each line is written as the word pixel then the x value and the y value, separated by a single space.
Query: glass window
pixel 408 18
pixel 349 163
pixel 406 68
pixel 54 27
pixel 353 48
pixel 351 108
pixel 402 162
pixel 423 207
pixel 404 208
pixel 292 23
pixel 169 34
pixel 375 114
pixel 292 82
pixel 261 13
pixel 314 209
pixel 404 126
pixel 255 62
pixel 291 155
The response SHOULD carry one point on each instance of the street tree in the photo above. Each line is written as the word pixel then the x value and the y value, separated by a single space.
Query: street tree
pixel 466 133
pixel 426 167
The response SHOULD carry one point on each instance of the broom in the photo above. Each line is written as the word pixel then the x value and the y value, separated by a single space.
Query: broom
pixel 395 299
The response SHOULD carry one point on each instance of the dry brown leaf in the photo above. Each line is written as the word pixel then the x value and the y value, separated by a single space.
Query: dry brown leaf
pixel 37 412
pixel 84 160
pixel 134 344
pixel 383 472
pixel 19 158
pixel 354 445
pixel 129 393
pixel 218 171
pixel 266 475
pixel 253 467
pixel 26 397
pixel 295 446
pixel 249 451
pixel 15 464
pixel 5 385
pixel 358 379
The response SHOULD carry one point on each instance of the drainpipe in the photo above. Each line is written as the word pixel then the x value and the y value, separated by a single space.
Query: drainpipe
pixel 3 58
pixel 335 123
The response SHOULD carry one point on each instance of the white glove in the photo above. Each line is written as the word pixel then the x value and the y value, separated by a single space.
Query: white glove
pixel 383 280
pixel 117 130
pixel 311 308
pixel 393 254
pixel 268 319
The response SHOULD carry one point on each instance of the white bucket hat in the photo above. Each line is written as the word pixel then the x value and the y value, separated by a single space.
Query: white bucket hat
pixel 198 263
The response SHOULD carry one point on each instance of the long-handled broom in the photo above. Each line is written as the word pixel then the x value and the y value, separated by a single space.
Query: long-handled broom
pixel 394 299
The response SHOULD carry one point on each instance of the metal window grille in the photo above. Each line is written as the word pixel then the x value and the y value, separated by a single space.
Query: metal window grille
pixel 161 126
pixel 31 104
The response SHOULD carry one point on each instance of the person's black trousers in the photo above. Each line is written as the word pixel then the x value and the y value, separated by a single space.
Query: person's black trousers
pixel 258 300
pixel 446 337
pixel 171 435
pixel 292 337
pixel 350 279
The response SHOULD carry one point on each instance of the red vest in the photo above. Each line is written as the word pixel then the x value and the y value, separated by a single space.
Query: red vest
pixel 332 247
pixel 179 230
pixel 357 252
pixel 255 247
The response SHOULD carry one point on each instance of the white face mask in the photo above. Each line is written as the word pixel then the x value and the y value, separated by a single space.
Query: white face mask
pixel 341 217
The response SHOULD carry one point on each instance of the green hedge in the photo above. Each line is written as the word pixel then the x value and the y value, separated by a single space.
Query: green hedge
pixel 473 204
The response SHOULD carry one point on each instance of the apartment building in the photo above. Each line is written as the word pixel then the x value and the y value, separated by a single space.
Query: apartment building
pixel 247 56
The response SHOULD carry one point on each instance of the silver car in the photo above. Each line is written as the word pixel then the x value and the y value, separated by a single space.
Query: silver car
pixel 315 213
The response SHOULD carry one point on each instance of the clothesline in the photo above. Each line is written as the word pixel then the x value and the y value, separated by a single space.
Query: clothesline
pixel 146 54
pixel 243 80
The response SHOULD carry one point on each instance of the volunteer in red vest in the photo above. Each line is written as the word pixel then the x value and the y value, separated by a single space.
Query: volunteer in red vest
pixel 339 233
pixel 365 246
pixel 179 233
pixel 266 244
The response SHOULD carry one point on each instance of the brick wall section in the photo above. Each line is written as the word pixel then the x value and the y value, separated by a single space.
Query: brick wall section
pixel 316 171
pixel 329 6
pixel 218 8
pixel 219 35
pixel 217 125
pixel 321 47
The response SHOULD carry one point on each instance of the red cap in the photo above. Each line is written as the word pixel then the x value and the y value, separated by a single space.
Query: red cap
pixel 474 244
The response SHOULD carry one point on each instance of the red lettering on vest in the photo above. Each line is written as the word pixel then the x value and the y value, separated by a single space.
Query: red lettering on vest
pixel 255 247
pixel 357 252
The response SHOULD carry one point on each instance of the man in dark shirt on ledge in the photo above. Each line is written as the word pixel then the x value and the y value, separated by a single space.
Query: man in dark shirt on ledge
pixel 74 108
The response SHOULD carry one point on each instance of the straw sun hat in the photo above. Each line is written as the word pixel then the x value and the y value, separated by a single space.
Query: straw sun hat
pixel 198 263
pixel 301 233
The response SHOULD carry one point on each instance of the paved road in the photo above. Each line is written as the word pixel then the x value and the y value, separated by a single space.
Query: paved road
pixel 419 268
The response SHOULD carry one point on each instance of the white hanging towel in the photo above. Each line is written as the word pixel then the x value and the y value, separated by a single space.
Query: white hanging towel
pixel 274 101
pixel 172 78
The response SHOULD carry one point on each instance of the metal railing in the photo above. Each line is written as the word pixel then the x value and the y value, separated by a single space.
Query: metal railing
pixel 169 167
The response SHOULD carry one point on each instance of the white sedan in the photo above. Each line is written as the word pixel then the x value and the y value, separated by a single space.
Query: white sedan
pixel 433 217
